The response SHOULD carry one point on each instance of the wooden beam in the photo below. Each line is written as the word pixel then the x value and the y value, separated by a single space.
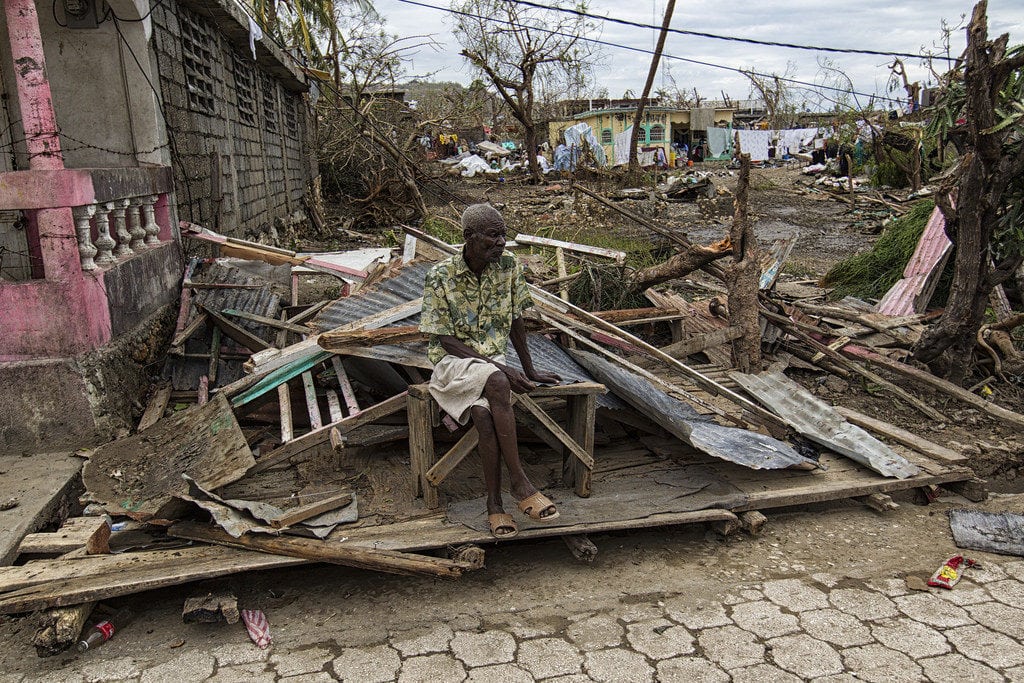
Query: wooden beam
pixel 388 561
pixel 908 439
pixel 156 407
pixel 239 334
pixel 284 399
pixel 576 449
pixel 535 241
pixel 450 460
pixel 269 322
pixel 90 533
pixel 582 412
pixel 421 444
pixel 322 435
pixel 188 330
pixel 312 405
pixel 699 342
pixel 345 385
pixel 303 512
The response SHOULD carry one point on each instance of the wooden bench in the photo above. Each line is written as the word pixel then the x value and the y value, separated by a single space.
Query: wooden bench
pixel 576 439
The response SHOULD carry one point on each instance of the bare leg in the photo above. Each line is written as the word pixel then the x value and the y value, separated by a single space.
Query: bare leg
pixel 488 449
pixel 498 394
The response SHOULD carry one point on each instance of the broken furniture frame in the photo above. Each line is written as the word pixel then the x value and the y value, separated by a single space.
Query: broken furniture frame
pixel 577 438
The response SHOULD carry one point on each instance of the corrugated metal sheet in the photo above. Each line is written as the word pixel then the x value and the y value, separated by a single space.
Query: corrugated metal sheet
pixel 740 446
pixel 818 422
pixel 407 285
pixel 912 294
pixel 184 373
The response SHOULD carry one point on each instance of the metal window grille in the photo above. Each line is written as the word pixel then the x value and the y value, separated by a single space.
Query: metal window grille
pixel 657 133
pixel 291 116
pixel 606 136
pixel 198 44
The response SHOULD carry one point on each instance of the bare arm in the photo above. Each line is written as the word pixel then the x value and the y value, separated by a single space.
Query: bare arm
pixel 518 336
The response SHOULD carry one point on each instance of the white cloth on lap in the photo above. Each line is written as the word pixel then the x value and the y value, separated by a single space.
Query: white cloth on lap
pixel 458 384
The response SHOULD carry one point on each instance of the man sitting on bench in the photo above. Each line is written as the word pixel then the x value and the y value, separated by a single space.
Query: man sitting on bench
pixel 472 305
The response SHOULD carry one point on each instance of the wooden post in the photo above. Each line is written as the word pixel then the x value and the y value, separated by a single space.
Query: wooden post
pixel 315 420
pixel 581 412
pixel 421 444
pixel 284 399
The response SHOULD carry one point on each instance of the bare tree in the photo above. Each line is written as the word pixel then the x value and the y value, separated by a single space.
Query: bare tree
pixel 983 199
pixel 778 95
pixel 522 50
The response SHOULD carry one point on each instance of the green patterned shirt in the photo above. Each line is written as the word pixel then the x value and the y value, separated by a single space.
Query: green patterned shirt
pixel 477 312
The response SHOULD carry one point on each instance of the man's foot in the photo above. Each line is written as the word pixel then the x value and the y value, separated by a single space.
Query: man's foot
pixel 502 525
pixel 538 507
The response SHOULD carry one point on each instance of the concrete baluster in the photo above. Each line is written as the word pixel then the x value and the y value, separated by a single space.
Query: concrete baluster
pixel 86 250
pixel 149 215
pixel 138 233
pixel 123 237
pixel 104 242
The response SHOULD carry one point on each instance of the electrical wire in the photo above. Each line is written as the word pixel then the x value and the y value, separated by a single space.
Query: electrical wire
pixel 737 39
pixel 597 41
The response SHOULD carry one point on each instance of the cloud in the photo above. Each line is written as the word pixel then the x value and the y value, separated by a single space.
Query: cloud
pixel 868 24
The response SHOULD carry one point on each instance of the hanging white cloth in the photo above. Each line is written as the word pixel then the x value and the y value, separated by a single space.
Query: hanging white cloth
pixel 755 143
pixel 621 147
pixel 255 33
pixel 718 141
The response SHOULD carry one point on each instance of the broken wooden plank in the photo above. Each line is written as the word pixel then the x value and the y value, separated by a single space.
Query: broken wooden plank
pixel 450 460
pixel 239 334
pixel 269 322
pixel 581 547
pixel 303 512
pixel 312 405
pixel 345 385
pixel 533 240
pixel 90 533
pixel 339 341
pixel 699 342
pixel 388 561
pixel 752 521
pixel 576 449
pixel 156 407
pixel 284 399
pixel 188 330
pixel 210 607
pixel 61 628
pixel 879 502
pixel 333 405
pixel 908 439
pixel 140 474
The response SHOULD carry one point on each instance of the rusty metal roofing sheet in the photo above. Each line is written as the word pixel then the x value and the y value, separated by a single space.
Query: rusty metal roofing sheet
pixel 740 446
pixel 912 293
pixel 820 423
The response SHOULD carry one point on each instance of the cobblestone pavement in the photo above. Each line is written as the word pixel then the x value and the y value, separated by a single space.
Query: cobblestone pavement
pixel 665 605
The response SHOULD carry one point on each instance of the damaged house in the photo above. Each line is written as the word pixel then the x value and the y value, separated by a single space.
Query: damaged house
pixel 118 120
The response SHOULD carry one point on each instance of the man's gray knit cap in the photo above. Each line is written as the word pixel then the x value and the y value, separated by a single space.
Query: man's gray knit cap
pixel 480 217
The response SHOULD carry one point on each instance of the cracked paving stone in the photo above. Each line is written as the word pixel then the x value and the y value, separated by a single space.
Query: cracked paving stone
pixel 483 649
pixel 696 616
pixel 795 595
pixel 954 667
pixel 1000 617
pixel 377 664
pixel 548 657
pixel 730 647
pixel 499 673
pixel 837 678
pixel 300 661
pixel 659 639
pixel 431 668
pixel 835 627
pixel 806 657
pixel 596 632
pixel 318 677
pixel 761 673
pixel 1008 591
pixel 863 604
pixel 910 637
pixel 422 641
pixel 690 670
pixel 1015 569
pixel 990 647
pixel 188 666
pixel 574 678
pixel 932 610
pixel 239 653
pixel 987 573
pixel 889 586
pixel 534 623
pixel 764 619
pixel 964 594
pixel 253 672
pixel 879 663
pixel 640 612
pixel 110 669
pixel 617 665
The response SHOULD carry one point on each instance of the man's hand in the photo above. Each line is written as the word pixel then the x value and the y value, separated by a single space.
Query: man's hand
pixel 543 377
pixel 516 380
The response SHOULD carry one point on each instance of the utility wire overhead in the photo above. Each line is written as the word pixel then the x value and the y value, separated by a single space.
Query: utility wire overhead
pixel 596 41
pixel 715 36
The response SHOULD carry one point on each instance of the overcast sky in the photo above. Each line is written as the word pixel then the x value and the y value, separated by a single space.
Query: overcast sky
pixel 884 25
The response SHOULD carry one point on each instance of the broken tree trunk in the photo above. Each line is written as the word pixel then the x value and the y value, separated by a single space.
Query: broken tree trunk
pixel 694 257
pixel 741 277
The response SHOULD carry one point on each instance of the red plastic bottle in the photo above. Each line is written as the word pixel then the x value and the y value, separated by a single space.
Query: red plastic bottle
pixel 105 630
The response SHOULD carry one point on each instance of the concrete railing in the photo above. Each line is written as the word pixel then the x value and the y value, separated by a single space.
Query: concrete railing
pixel 111 231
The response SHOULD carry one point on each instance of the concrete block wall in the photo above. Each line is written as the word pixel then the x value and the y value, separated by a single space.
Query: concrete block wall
pixel 242 157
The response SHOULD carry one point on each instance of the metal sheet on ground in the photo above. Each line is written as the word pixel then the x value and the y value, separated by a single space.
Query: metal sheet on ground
pixel 820 423
pixel 991 532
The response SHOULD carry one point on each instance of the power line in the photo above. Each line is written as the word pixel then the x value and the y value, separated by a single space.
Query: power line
pixel 641 50
pixel 716 36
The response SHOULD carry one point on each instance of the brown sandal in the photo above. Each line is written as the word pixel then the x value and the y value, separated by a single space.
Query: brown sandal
pixel 534 505
pixel 502 520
